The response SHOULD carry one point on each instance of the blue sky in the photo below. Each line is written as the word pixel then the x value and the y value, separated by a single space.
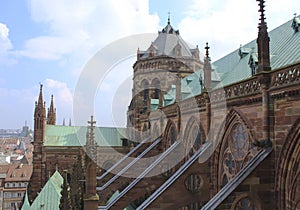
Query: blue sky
pixel 51 41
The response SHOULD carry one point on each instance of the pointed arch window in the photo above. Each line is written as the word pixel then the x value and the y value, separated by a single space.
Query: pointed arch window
pixel 195 139
pixel 156 86
pixel 145 87
pixel 237 152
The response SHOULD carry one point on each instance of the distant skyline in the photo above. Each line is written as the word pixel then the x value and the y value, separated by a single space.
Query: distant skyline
pixel 50 42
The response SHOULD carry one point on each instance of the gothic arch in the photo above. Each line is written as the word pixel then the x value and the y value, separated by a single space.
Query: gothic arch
pixel 155 85
pixel 194 136
pixel 170 134
pixel 234 146
pixel 155 132
pixel 288 179
pixel 145 91
pixel 246 201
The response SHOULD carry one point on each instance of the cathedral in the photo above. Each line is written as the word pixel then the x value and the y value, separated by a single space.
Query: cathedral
pixel 200 134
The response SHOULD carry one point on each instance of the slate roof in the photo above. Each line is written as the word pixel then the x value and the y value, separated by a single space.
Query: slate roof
pixel 56 135
pixel 166 42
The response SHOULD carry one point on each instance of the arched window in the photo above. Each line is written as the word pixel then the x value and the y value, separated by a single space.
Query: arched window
pixel 171 135
pixel 195 139
pixel 237 152
pixel 156 86
pixel 145 87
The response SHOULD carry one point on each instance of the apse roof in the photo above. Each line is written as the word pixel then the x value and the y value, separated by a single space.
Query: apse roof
pixel 56 135
pixel 166 42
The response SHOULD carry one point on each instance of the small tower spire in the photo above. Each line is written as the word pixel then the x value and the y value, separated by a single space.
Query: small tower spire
pixel 40 99
pixel 169 14
pixel 51 118
pixel 207 50
pixel 207 70
pixel 263 41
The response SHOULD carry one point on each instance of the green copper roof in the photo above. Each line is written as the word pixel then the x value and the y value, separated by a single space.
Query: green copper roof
pixel 234 67
pixel 76 135
pixel 49 197
pixel 284 51
pixel 26 205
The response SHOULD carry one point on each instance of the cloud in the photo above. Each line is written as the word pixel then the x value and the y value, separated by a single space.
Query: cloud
pixel 61 92
pixel 5 43
pixel 228 24
pixel 80 28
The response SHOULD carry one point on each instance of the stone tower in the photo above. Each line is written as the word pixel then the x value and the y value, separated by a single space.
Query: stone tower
pixel 38 175
pixel 51 117
pixel 168 58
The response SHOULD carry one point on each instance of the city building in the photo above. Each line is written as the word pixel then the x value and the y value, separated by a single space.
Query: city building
pixel 14 179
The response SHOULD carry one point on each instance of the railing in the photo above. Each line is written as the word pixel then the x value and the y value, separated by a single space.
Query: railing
pixel 237 179
pixel 129 165
pixel 285 76
pixel 247 87
pixel 175 176
pixel 123 158
pixel 142 175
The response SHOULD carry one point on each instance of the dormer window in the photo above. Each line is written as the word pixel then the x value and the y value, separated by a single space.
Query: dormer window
pixel 243 51
pixel 296 23
pixel 177 50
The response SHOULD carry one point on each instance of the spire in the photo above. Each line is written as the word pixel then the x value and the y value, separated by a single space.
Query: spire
pixel 207 50
pixel 263 41
pixel 169 22
pixel 207 69
pixel 90 140
pixel 40 99
pixel 51 118
pixel 40 111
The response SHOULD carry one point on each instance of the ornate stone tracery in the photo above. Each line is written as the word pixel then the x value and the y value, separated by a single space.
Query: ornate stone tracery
pixel 237 148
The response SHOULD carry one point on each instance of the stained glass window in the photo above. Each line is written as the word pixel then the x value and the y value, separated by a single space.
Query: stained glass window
pixel 239 144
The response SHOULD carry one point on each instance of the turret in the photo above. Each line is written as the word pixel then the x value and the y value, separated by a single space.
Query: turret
pixel 207 70
pixel 263 41
pixel 51 117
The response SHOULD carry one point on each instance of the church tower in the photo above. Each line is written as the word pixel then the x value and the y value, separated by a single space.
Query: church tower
pixel 168 59
pixel 38 175
pixel 51 117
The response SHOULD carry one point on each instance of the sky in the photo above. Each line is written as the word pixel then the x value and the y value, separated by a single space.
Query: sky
pixel 51 42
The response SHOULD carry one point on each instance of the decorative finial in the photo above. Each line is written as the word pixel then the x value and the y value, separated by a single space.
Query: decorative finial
pixel 207 48
pixel 262 10
pixel 169 22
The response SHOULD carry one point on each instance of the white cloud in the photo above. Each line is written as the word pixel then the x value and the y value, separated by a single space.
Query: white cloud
pixel 228 24
pixel 5 43
pixel 61 92
pixel 80 28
